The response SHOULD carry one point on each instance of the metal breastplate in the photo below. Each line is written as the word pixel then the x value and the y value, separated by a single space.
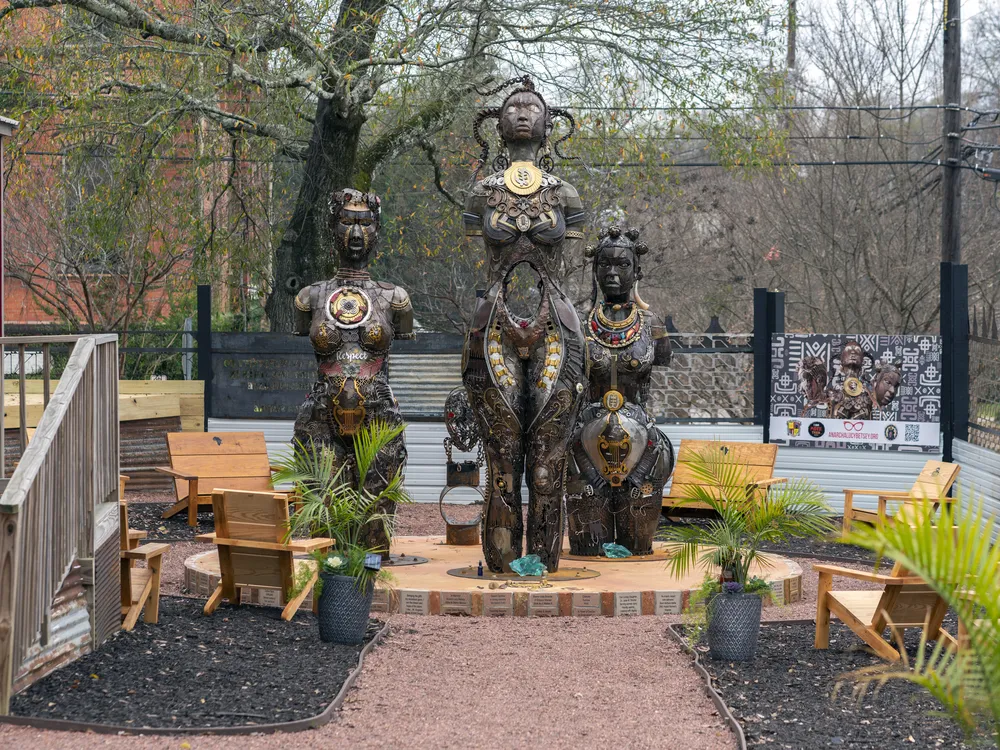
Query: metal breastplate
pixel 632 357
pixel 614 438
pixel 523 217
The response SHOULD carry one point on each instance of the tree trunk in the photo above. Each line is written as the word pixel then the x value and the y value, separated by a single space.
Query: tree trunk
pixel 305 254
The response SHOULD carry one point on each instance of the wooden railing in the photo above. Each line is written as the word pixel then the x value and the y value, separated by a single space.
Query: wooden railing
pixel 47 509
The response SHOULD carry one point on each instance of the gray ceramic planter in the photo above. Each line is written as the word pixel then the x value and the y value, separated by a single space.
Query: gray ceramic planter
pixel 733 626
pixel 344 609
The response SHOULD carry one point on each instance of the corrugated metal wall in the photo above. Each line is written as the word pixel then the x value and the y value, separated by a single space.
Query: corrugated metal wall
pixel 980 475
pixel 832 470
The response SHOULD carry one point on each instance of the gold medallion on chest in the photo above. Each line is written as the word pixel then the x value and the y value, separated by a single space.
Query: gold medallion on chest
pixel 522 178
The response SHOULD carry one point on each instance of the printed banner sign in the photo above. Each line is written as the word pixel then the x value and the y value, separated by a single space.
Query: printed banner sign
pixel 856 391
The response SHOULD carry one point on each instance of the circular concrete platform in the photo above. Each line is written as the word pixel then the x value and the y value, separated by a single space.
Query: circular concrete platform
pixel 624 587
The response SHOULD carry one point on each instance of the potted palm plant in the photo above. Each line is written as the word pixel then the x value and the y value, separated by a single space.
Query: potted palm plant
pixel 728 545
pixel 328 504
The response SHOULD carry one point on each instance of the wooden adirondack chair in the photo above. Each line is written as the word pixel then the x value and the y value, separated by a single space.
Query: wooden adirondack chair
pixel 250 529
pixel 140 587
pixel 905 601
pixel 757 458
pixel 202 461
pixel 933 483
pixel 135 536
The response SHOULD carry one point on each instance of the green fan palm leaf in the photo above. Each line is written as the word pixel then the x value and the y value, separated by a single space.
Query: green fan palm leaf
pixel 747 518
pixel 327 504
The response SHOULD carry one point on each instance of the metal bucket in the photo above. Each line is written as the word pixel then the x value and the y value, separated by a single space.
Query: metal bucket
pixel 343 609
pixel 733 626
pixel 460 533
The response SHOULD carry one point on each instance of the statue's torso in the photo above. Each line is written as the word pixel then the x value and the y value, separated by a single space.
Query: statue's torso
pixel 351 325
pixel 523 214
pixel 623 349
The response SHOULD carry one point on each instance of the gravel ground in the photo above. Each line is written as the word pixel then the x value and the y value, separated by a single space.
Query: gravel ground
pixel 784 698
pixel 482 682
pixel 439 682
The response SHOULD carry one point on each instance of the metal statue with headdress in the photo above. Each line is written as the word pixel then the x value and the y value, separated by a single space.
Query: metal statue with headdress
pixel 619 461
pixel 352 321
pixel 523 367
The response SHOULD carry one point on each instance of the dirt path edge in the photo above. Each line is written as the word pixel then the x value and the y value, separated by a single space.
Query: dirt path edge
pixel 720 705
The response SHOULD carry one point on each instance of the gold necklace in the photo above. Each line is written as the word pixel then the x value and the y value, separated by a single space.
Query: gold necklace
pixel 617 324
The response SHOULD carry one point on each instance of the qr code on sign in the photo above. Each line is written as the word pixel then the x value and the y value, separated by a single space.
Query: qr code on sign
pixel 911 434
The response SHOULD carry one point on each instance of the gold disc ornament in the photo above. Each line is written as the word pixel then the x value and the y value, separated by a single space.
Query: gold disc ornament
pixel 349 307
pixel 613 400
pixel 522 178
pixel 853 387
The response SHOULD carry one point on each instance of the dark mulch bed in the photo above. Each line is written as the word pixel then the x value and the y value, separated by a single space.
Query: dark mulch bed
pixel 146 516
pixel 784 698
pixel 240 666
pixel 819 549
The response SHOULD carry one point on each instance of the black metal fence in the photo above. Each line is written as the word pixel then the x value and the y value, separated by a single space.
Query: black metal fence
pixel 715 377
pixel 984 380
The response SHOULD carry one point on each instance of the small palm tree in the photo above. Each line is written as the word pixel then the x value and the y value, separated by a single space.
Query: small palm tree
pixel 329 505
pixel 955 555
pixel 748 518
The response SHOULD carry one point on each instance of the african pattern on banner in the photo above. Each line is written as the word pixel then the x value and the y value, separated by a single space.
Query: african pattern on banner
pixel 885 396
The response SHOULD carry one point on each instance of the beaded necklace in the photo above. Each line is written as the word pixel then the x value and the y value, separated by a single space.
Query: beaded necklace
pixel 615 333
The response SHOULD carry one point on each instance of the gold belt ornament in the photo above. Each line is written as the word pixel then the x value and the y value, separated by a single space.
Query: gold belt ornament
pixel 348 408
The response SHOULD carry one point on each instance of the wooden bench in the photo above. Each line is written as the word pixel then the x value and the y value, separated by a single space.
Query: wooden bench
pixel 140 587
pixel 202 461
pixel 905 601
pixel 250 531
pixel 756 459
pixel 933 484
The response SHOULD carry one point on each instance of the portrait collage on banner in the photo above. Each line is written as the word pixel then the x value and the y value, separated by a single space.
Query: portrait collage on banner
pixel 856 391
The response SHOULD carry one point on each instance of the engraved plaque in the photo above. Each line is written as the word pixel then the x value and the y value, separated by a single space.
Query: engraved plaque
pixel 667 602
pixel 586 603
pixel 456 602
pixel 414 602
pixel 628 603
pixel 778 589
pixel 794 589
pixel 270 597
pixel 498 603
pixel 543 604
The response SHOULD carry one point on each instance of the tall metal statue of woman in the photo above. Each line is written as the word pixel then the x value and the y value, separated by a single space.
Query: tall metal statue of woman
pixel 619 460
pixel 524 358
pixel 351 321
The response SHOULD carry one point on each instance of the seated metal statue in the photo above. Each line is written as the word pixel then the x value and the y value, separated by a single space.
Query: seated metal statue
pixel 524 359
pixel 619 460
pixel 351 321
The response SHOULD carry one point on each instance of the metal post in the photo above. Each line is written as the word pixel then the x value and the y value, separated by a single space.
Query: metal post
pixel 761 360
pixel 954 355
pixel 960 352
pixel 768 319
pixel 205 345
pixel 187 342
pixel 951 182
